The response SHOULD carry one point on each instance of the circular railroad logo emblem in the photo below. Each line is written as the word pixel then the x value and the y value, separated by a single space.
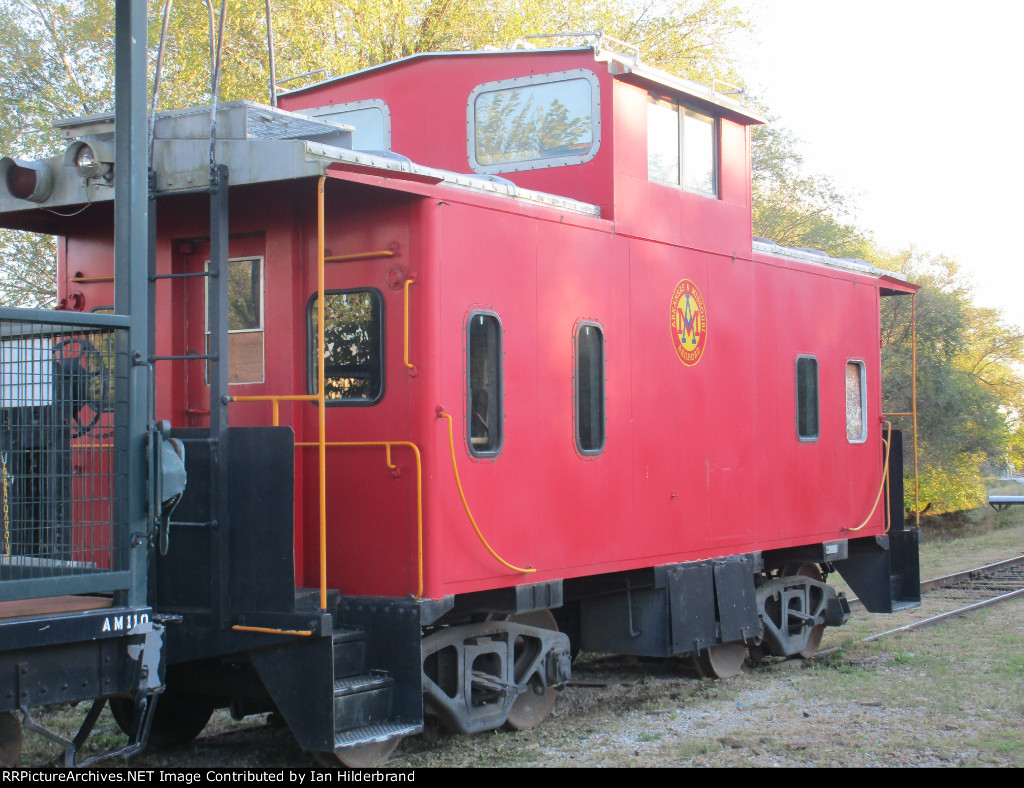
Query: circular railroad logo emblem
pixel 689 320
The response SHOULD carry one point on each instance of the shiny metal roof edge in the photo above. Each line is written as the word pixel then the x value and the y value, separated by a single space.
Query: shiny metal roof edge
pixel 688 87
pixel 821 258
pixel 626 64
pixel 426 55
pixel 462 180
pixel 103 118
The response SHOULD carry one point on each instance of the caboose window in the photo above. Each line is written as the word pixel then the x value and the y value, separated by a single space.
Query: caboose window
pixel 682 147
pixel 370 119
pixel 856 398
pixel 545 120
pixel 589 388
pixel 354 346
pixel 484 384
pixel 807 398
pixel 245 319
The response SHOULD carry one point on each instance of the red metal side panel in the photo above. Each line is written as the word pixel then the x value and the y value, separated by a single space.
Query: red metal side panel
pixel 86 256
pixel 733 449
pixel 585 506
pixel 707 461
pixel 489 261
pixel 813 490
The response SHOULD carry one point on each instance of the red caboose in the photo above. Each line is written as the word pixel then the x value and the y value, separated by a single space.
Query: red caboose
pixel 500 350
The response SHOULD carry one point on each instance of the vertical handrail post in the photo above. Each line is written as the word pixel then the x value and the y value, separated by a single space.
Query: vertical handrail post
pixel 913 404
pixel 217 284
pixel 321 395
pixel 131 239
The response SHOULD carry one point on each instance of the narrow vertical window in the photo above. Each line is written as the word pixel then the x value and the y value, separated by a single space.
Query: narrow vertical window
pixel 856 399
pixel 682 147
pixel 589 389
pixel 662 141
pixel 807 398
pixel 484 384
pixel 699 153
pixel 245 320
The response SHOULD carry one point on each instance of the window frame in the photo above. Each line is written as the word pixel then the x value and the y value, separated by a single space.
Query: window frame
pixel 262 323
pixel 500 398
pixel 817 399
pixel 863 401
pixel 311 376
pixel 681 109
pixel 602 397
pixel 521 82
pixel 328 111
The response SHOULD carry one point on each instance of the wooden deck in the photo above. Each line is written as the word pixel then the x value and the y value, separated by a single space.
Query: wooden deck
pixel 30 608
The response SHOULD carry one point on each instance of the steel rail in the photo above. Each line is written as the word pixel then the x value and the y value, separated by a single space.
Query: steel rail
pixel 952 579
pixel 945 581
pixel 948 581
pixel 924 623
pixel 969 574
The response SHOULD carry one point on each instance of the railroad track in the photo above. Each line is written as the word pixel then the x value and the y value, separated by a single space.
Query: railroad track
pixel 967 591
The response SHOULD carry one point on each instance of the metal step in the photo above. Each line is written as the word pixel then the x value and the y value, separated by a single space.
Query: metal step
pixel 362 700
pixel 377 732
pixel 349 652
pixel 364 682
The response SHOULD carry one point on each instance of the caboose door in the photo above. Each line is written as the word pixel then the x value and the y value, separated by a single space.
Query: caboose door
pixel 246 313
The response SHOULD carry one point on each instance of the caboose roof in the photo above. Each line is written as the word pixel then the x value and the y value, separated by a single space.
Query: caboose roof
pixel 893 282
pixel 628 68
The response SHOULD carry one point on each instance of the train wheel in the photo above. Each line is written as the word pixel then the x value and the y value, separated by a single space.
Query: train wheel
pixel 814 639
pixel 10 740
pixel 177 719
pixel 534 705
pixel 362 756
pixel 722 661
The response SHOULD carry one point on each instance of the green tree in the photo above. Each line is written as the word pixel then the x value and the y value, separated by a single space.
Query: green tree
pixel 968 384
pixel 799 210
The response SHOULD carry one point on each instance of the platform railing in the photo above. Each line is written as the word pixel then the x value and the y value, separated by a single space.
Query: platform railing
pixel 63 436
pixel 912 413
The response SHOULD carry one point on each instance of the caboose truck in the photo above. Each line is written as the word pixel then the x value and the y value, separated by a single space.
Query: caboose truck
pixel 480 421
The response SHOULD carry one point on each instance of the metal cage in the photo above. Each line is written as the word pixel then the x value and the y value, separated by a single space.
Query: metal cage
pixel 63 435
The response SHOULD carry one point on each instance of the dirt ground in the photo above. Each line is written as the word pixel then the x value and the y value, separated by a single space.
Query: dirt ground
pixel 952 695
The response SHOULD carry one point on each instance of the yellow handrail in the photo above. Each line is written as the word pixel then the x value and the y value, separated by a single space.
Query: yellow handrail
pixel 271 631
pixel 913 386
pixel 275 400
pixel 348 258
pixel 419 490
pixel 913 404
pixel 321 359
pixel 885 478
pixel 465 504
pixel 405 352
pixel 319 397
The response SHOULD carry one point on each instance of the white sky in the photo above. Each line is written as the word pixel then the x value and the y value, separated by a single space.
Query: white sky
pixel 913 108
